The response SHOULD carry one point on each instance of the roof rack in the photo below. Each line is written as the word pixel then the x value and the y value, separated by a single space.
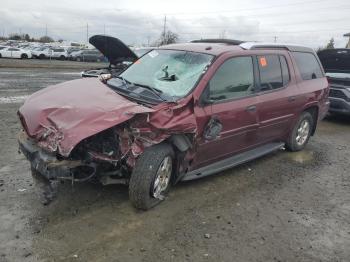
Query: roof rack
pixel 290 47
pixel 219 41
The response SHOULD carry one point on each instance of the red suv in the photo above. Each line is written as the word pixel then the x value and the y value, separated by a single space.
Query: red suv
pixel 180 112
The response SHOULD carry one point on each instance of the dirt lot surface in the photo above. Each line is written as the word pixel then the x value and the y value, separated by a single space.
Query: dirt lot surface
pixel 282 207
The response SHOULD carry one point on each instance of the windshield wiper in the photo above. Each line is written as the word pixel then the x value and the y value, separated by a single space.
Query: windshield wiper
pixel 156 91
pixel 125 82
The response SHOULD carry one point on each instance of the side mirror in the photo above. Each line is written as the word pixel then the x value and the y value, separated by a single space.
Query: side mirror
pixel 207 101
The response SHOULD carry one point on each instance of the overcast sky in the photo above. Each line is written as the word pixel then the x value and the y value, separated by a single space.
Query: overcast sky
pixel 309 22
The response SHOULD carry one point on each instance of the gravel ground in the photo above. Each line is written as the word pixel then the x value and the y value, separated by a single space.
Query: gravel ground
pixel 282 207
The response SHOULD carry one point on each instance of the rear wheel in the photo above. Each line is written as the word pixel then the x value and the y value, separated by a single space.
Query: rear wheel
pixel 150 179
pixel 62 57
pixel 301 133
pixel 41 56
pixel 24 56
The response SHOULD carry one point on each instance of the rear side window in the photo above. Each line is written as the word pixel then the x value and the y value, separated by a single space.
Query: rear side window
pixel 234 78
pixel 308 65
pixel 285 71
pixel 273 72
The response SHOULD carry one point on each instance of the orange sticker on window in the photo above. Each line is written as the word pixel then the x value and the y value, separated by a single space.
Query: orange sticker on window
pixel 137 61
pixel 263 61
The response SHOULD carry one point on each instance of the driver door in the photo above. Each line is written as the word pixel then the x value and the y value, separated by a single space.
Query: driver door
pixel 229 111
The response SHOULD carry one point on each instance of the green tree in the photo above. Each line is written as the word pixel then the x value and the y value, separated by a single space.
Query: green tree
pixel 15 37
pixel 330 44
pixel 46 39
pixel 27 37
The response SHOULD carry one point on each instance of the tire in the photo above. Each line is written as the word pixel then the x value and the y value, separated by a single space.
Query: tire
pixel 62 57
pixel 143 178
pixel 24 56
pixel 42 56
pixel 300 135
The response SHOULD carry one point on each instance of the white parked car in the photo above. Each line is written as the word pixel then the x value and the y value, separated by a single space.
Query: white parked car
pixel 59 53
pixel 46 52
pixel 73 55
pixel 14 52
pixel 41 52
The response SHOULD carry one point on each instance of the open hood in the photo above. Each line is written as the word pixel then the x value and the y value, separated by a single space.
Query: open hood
pixel 335 60
pixel 112 48
pixel 60 116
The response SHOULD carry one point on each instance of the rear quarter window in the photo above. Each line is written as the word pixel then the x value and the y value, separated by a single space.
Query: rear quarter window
pixel 308 65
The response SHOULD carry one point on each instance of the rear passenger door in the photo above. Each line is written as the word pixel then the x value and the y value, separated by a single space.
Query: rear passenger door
pixel 277 97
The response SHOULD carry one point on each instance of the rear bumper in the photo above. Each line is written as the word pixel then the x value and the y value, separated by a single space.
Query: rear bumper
pixel 46 163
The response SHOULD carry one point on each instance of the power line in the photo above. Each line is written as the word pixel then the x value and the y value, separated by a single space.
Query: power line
pixel 277 24
pixel 248 9
pixel 268 33
pixel 273 15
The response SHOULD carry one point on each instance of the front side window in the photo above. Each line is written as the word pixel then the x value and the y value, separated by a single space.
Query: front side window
pixel 172 72
pixel 308 65
pixel 234 79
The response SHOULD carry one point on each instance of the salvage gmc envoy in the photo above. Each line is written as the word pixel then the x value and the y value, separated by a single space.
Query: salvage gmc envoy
pixel 180 112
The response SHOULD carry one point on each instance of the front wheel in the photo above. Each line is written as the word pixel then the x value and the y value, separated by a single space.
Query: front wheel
pixel 24 56
pixel 151 177
pixel 301 132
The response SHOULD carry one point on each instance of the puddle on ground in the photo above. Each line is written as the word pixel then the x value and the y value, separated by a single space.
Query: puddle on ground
pixel 302 157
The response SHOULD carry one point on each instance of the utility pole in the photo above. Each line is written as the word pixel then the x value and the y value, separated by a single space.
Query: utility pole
pixel 275 39
pixel 87 33
pixel 45 29
pixel 164 30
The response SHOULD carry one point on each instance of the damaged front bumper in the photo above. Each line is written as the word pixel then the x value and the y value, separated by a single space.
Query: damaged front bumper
pixel 49 166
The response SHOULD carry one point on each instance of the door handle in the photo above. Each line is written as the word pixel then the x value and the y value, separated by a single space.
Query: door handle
pixel 251 108
pixel 291 98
